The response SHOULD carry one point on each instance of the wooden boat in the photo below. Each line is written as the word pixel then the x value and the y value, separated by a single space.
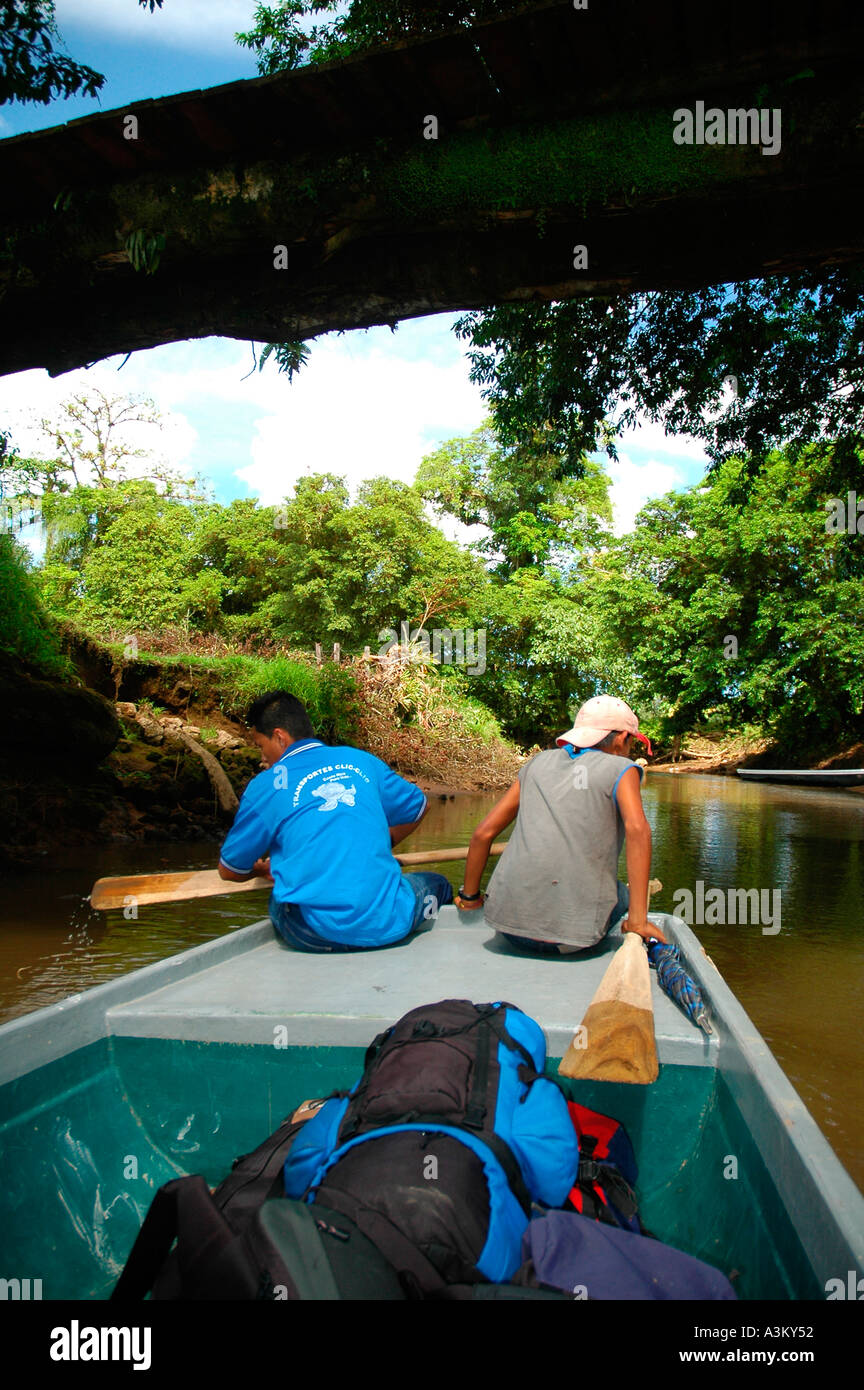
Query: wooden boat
pixel 184 1064
pixel 815 777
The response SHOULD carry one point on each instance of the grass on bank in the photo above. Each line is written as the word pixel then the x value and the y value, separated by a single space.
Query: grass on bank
pixel 416 716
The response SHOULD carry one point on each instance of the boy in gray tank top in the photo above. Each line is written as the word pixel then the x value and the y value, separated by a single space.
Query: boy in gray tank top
pixel 555 888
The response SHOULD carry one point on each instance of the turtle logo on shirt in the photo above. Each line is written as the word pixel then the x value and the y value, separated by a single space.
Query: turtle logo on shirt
pixel 334 792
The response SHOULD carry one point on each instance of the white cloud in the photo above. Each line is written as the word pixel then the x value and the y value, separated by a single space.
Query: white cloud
pixel 633 484
pixel 358 416
pixel 357 408
pixel 186 24
pixel 365 404
pixel 651 437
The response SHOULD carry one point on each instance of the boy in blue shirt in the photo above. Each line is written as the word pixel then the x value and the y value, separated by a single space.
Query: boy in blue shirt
pixel 323 822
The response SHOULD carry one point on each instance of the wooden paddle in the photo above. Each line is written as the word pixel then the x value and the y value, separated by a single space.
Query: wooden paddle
pixel 141 889
pixel 615 1040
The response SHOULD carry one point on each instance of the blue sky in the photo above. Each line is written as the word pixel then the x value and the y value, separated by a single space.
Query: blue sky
pixel 367 402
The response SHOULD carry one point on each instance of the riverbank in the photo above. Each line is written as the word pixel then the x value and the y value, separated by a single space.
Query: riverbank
pixel 168 756
pixel 722 756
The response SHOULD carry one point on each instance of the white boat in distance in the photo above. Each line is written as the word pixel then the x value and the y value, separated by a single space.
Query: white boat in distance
pixel 815 777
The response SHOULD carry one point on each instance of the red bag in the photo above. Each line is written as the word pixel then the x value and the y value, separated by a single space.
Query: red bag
pixel 607 1171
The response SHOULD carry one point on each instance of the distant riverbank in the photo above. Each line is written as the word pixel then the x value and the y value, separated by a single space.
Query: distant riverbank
pixel 723 758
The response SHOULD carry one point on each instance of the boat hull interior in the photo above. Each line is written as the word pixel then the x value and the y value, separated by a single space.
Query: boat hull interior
pixel 182 1066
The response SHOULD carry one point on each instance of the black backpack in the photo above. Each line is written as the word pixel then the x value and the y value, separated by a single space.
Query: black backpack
pixel 451 1066
pixel 247 1241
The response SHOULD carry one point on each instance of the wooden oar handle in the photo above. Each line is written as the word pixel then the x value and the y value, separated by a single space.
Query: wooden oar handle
pixel 441 856
pixel 144 889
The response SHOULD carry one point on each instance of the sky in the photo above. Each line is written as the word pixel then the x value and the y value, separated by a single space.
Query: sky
pixel 367 402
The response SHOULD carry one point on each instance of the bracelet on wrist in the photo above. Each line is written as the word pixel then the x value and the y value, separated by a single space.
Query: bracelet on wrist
pixel 468 897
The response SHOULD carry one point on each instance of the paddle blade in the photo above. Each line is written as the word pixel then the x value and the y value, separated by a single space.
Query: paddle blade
pixel 615 1041
pixel 141 889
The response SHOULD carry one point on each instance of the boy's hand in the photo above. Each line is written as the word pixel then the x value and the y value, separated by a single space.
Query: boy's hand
pixel 261 868
pixel 647 932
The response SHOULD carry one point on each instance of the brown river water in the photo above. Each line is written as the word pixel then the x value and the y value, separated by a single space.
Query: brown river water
pixel 803 985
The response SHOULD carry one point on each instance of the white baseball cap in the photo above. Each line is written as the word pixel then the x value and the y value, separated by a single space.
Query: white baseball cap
pixel 602 715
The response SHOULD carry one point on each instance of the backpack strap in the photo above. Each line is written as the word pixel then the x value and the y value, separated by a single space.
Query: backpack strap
pixel 417 1275
pixel 181 1208
pixel 528 1073
pixel 291 1227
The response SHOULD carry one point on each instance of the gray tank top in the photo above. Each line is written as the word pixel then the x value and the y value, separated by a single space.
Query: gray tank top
pixel 557 878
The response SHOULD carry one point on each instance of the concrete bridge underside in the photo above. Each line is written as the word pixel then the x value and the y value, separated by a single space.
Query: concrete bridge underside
pixel 290 206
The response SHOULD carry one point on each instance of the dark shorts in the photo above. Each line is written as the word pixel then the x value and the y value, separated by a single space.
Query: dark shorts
pixel 431 891
pixel 552 948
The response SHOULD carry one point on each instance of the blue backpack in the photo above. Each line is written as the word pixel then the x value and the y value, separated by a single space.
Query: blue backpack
pixel 439 1150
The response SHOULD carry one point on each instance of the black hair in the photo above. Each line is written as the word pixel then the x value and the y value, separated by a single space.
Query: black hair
pixel 279 710
pixel 605 742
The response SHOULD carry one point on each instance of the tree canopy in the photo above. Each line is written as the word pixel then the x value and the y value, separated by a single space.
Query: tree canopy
pixel 743 368
pixel 281 40
pixel 736 601
pixel 533 516
pixel 31 68
pixel 737 597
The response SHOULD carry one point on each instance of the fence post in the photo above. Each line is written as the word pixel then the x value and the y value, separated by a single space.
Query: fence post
pixel 318 653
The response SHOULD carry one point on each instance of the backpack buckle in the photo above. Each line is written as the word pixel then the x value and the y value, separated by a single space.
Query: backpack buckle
pixel 589 1170
pixel 475 1115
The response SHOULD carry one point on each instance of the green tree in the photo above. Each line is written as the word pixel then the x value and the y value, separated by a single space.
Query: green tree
pixel 31 69
pixel 791 349
pixel 143 574
pixel 27 631
pixel 747 558
pixel 240 543
pixel 356 569
pixel 281 39
pixel 90 456
pixel 548 649
pixel 534 516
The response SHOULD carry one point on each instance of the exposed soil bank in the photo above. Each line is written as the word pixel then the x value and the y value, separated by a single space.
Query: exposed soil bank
pixel 107 760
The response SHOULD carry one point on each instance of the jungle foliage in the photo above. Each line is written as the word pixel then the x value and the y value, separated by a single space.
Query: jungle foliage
pixel 733 601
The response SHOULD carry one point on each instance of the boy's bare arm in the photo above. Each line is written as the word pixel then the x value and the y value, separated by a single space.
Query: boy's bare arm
pixel 638 848
pixel 487 831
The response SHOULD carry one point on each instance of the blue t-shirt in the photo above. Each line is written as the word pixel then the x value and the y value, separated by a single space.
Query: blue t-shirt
pixel 323 815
